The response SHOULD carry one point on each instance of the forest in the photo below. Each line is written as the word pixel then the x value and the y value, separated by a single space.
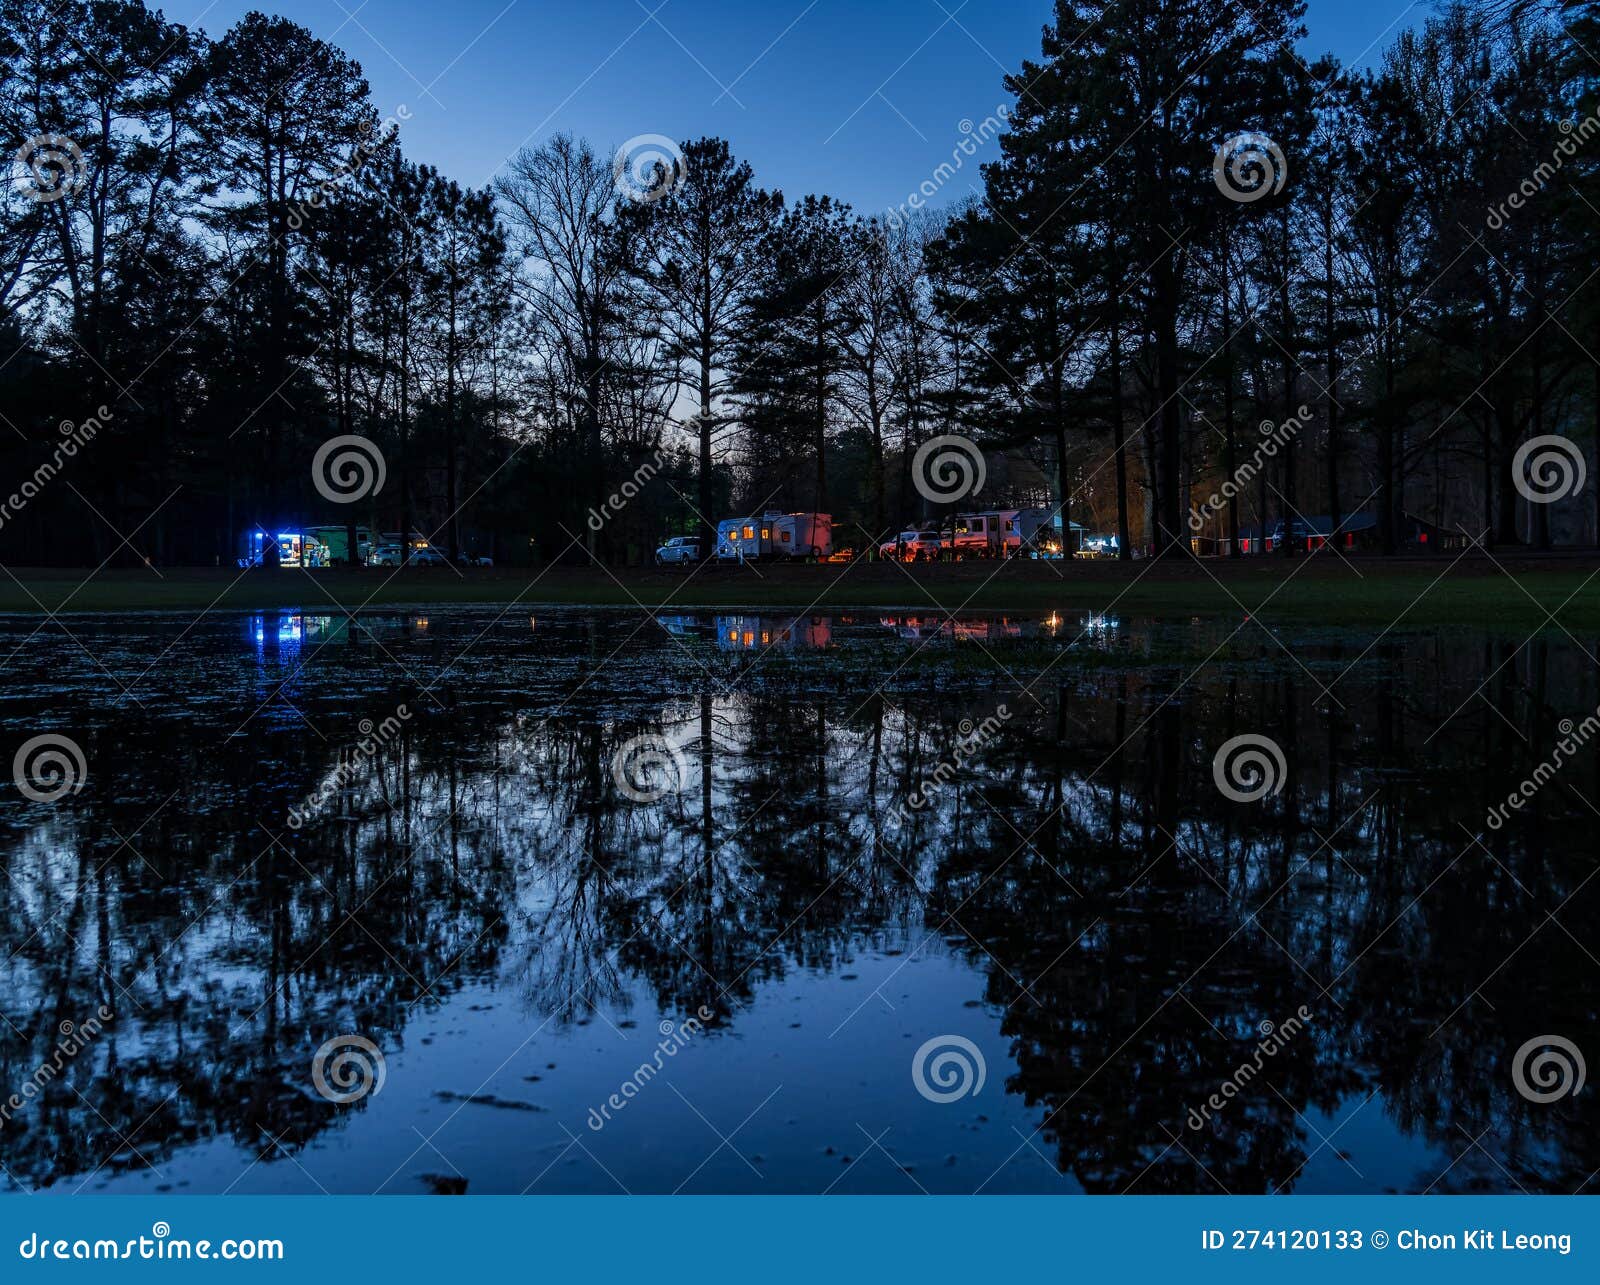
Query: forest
pixel 1190 240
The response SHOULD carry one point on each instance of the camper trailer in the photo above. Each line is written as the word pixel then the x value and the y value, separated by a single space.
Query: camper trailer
pixel 804 535
pixel 992 534
pixel 295 548
pixel 775 536
pixel 761 633
pixel 744 539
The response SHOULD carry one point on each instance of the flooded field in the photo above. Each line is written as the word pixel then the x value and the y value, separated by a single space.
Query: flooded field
pixel 481 902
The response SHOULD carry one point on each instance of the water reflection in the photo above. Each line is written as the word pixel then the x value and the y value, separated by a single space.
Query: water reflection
pixel 1077 892
pixel 754 633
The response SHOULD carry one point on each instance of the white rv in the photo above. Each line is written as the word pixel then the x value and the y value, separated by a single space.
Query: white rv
pixel 992 534
pixel 775 536
pixel 760 633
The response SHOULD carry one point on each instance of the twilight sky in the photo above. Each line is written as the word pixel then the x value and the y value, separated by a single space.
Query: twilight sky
pixel 862 99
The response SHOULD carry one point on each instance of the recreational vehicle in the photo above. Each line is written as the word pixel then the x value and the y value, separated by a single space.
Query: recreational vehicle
pixel 308 547
pixel 335 542
pixel 744 539
pixel 761 633
pixel 775 536
pixel 986 535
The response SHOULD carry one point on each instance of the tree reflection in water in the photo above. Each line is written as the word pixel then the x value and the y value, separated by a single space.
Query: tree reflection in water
pixel 1126 926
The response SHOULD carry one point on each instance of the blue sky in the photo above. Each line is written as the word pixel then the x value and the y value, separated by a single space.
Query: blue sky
pixel 859 98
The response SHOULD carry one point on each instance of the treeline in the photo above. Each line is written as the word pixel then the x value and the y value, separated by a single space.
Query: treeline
pixel 1190 241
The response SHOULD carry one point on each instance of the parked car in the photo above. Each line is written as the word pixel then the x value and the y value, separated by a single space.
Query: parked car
pixel 475 560
pixel 916 545
pixel 388 555
pixel 680 551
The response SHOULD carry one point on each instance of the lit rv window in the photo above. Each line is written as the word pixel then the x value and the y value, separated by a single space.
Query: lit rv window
pixel 783 536
pixel 749 533
pixel 766 533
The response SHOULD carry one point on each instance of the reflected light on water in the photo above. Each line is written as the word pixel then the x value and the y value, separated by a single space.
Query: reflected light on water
pixel 842 853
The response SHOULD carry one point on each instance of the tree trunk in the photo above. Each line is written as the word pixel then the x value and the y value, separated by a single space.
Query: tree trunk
pixel 1169 513
pixel 1230 442
pixel 1335 516
pixel 707 525
pixel 1118 426
pixel 1286 319
pixel 821 426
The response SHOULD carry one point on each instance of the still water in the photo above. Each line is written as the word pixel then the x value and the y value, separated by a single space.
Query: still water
pixel 586 902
